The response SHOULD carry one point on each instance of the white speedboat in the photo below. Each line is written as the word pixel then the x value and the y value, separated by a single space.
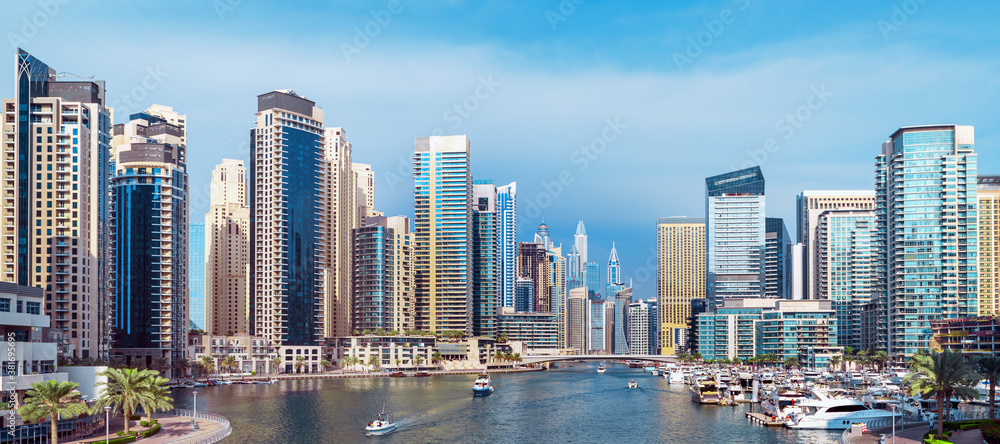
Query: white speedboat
pixel 632 384
pixel 833 414
pixel 677 377
pixel 601 369
pixel 482 386
pixel 380 425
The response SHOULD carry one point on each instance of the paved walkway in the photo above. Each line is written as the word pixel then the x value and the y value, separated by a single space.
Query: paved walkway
pixel 172 428
pixel 915 435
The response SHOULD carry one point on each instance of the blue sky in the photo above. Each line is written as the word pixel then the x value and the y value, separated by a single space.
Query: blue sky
pixel 690 90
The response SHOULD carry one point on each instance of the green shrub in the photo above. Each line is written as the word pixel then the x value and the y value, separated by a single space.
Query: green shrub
pixel 151 432
pixel 133 417
pixel 144 423
pixel 990 431
pixel 124 440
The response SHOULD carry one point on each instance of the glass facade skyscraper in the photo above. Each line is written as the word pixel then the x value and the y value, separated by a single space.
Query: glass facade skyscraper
pixel 734 235
pixel 845 273
pixel 286 182
pixel 593 280
pixel 149 240
pixel 485 244
pixel 776 259
pixel 506 267
pixel 927 231
pixel 196 275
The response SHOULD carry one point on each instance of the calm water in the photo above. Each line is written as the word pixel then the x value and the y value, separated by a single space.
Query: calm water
pixel 570 404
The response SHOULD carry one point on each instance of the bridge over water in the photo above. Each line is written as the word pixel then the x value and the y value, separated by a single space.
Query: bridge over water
pixel 556 358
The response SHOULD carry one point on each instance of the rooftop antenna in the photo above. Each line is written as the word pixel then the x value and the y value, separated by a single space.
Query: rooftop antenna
pixel 69 74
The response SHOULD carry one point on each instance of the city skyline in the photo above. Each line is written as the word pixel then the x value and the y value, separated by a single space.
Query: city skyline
pixel 751 81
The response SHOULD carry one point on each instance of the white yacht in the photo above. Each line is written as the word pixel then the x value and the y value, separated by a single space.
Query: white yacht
pixel 919 409
pixel 482 386
pixel 632 384
pixel 380 425
pixel 601 369
pixel 833 414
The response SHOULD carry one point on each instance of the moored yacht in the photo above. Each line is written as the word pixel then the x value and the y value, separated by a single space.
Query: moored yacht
pixel 706 391
pixel 833 414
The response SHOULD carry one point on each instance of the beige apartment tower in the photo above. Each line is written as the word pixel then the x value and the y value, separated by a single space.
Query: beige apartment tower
pixel 810 206
pixel 227 252
pixel 442 232
pixel 53 233
pixel 680 277
pixel 988 192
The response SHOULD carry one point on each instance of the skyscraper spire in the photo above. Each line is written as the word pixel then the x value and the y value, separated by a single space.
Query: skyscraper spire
pixel 614 267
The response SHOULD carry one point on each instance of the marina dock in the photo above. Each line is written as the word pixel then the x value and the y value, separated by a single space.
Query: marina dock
pixel 764 420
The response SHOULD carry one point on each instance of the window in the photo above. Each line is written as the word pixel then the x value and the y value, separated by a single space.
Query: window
pixel 34 308
pixel 5 304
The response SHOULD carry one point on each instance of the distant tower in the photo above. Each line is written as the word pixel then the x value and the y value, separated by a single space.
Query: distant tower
pixel 506 243
pixel 614 267
pixel 735 235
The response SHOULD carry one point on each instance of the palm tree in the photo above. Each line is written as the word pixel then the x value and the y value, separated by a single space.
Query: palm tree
pixel 498 356
pixel 229 363
pixel 696 356
pixel 374 361
pixel 835 361
pixel 848 356
pixel 157 397
pixel 299 363
pixel 437 357
pixel 159 364
pixel 124 390
pixel 502 338
pixel 516 357
pixel 989 366
pixel 399 363
pixel 791 361
pixel 881 358
pixel 419 360
pixel 183 364
pixel 207 364
pixel 945 374
pixel 137 363
pixel 508 356
pixel 277 364
pixel 862 357
pixel 326 364
pixel 52 399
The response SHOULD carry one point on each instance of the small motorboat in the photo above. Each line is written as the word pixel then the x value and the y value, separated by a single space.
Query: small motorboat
pixel 632 384
pixel 601 369
pixel 380 425
pixel 421 375
pixel 482 386
pixel 397 375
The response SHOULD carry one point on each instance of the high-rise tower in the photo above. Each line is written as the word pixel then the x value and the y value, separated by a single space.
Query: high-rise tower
pixel 55 200
pixel 148 222
pixel 927 231
pixel 442 186
pixel 734 235
pixel 227 251
pixel 506 243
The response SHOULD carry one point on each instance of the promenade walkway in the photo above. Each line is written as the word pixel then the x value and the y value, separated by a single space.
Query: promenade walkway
pixel 173 429
pixel 915 435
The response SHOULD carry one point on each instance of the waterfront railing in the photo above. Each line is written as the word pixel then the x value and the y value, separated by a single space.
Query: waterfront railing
pixel 224 430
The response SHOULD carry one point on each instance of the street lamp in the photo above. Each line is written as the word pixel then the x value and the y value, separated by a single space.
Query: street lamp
pixel 194 421
pixel 893 423
pixel 107 423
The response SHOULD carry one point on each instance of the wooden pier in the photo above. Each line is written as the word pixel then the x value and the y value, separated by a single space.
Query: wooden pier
pixel 765 420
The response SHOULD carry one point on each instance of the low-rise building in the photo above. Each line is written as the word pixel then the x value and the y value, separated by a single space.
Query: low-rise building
pixel 979 335
pixel 538 331
pixel 744 328
pixel 28 358
pixel 393 352
pixel 253 354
